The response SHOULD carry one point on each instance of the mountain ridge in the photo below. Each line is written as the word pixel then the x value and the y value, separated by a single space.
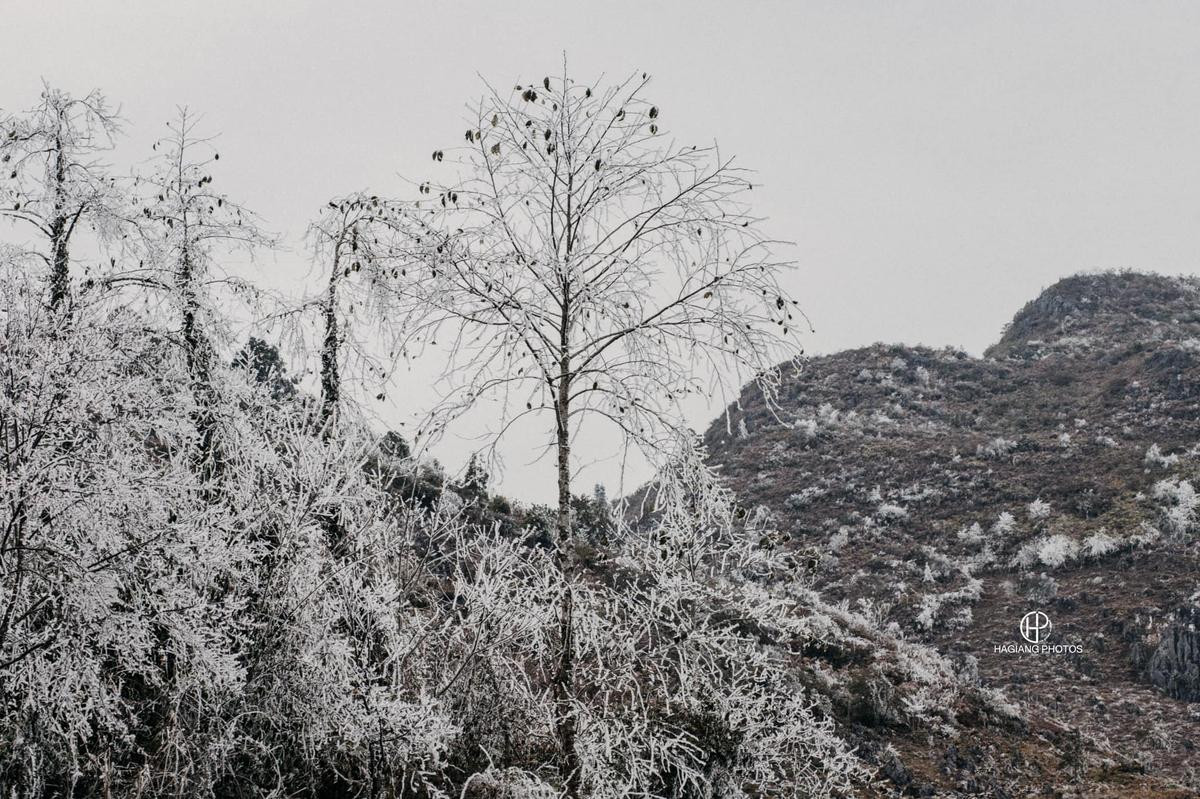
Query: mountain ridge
pixel 948 495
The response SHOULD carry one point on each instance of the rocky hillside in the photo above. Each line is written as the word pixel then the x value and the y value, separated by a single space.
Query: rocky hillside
pixel 946 496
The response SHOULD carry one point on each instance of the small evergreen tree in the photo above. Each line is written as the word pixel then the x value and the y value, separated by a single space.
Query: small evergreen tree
pixel 473 487
pixel 264 363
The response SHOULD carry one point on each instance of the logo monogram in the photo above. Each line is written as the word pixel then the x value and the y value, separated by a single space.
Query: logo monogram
pixel 1035 627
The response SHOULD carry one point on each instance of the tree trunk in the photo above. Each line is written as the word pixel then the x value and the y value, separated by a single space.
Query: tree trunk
pixel 197 354
pixel 330 379
pixel 331 522
pixel 563 448
pixel 59 233
pixel 564 679
pixel 59 258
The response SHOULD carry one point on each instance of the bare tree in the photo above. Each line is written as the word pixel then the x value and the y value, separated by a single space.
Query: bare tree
pixel 354 240
pixel 52 177
pixel 182 219
pixel 582 265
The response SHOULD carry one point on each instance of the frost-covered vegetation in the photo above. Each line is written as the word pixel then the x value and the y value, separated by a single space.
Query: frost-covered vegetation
pixel 220 580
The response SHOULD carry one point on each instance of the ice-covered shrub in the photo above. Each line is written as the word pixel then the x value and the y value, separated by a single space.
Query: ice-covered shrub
pixel 889 511
pixel 1004 526
pixel 712 687
pixel 831 416
pixel 996 448
pixel 1178 501
pixel 805 497
pixel 932 605
pixel 1099 544
pixel 806 428
pixel 919 493
pixel 1147 534
pixel 972 534
pixel 1156 457
pixel 839 539
pixel 1056 550
pixel 1038 510
pixel 925 683
pixel 1053 551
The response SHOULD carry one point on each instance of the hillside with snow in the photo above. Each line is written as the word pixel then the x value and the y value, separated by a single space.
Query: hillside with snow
pixel 946 496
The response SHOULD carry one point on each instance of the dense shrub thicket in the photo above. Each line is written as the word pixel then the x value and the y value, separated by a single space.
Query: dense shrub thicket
pixel 164 633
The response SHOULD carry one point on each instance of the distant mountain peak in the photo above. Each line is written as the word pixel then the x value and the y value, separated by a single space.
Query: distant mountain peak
pixel 1103 308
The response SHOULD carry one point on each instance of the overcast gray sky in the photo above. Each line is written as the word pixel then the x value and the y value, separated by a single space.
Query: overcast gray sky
pixel 937 164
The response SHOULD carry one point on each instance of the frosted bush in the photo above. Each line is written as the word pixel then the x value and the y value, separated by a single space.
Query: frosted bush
pixel 919 493
pixel 826 417
pixel 999 704
pixel 1027 555
pixel 1004 526
pixel 509 783
pixel 891 512
pixel 807 429
pixel 839 539
pixel 804 498
pixel 1038 510
pixel 961 619
pixel 881 419
pixel 450 503
pixel 972 534
pixel 1057 550
pixel 929 680
pixel 1147 534
pixel 828 414
pixel 931 605
pixel 1179 502
pixel 1052 551
pixel 1099 544
pixel 875 613
pixel 1156 457
pixel 996 448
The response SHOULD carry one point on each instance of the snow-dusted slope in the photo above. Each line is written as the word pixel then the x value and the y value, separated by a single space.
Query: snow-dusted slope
pixel 948 496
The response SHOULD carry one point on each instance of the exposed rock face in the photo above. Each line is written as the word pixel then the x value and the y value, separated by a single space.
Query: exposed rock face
pixel 949 495
pixel 1175 664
